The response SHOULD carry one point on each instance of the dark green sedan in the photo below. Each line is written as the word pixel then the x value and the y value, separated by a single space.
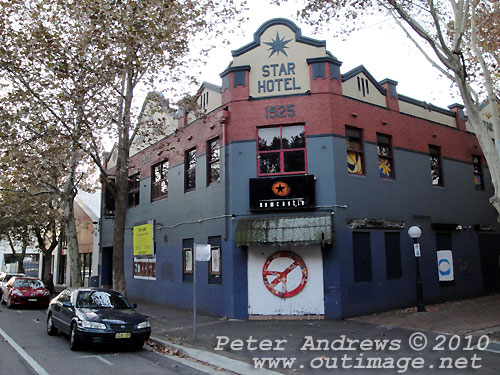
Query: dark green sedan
pixel 96 316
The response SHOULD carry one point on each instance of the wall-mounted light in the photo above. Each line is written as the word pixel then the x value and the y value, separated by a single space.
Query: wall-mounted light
pixel 354 115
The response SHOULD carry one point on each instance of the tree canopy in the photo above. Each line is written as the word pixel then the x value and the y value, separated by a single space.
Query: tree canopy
pixel 71 68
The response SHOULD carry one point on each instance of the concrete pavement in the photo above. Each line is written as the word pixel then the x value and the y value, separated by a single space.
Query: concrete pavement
pixel 234 344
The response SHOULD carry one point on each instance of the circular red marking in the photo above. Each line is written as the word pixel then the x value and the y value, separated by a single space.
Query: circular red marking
pixel 281 276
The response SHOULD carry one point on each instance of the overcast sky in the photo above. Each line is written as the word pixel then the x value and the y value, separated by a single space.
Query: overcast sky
pixel 380 46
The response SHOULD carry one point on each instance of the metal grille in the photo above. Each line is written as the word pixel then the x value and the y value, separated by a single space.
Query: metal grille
pixel 122 327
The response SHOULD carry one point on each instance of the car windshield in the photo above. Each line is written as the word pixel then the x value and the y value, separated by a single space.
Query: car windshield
pixel 94 299
pixel 28 283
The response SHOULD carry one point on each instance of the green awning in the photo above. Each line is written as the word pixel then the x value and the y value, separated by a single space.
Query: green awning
pixel 293 230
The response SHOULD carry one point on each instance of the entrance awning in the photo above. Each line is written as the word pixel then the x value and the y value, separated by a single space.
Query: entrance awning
pixel 283 230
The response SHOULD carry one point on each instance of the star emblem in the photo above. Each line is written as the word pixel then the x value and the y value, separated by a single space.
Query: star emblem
pixel 281 189
pixel 278 45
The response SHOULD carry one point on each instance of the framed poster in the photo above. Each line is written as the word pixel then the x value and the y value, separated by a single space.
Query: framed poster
pixel 188 260
pixel 215 261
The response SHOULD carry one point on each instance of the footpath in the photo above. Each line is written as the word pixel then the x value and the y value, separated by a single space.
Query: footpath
pixel 233 345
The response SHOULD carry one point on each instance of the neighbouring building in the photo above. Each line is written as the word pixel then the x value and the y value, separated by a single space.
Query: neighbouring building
pixel 8 260
pixel 304 180
pixel 87 207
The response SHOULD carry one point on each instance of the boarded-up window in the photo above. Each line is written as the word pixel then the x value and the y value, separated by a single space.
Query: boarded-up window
pixel 362 259
pixel 393 256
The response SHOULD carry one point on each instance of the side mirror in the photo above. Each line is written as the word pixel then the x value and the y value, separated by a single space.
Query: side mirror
pixel 67 304
pixel 134 305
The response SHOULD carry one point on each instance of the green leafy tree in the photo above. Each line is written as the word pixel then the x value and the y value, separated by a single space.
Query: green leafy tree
pixel 78 64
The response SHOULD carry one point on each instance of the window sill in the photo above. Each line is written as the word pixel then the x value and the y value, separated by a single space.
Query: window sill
pixel 159 198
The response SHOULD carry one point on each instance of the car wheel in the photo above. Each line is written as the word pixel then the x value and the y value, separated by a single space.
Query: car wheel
pixel 73 338
pixel 51 330
pixel 9 303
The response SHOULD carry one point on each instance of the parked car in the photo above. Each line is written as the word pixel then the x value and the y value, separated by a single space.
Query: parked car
pixel 25 291
pixel 4 278
pixel 96 315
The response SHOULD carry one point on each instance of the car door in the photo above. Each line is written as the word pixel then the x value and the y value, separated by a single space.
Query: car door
pixel 60 311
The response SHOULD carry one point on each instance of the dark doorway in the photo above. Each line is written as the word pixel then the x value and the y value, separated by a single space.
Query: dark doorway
pixel 107 267
pixel 489 248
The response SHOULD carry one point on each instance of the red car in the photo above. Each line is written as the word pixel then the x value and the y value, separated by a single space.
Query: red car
pixel 25 291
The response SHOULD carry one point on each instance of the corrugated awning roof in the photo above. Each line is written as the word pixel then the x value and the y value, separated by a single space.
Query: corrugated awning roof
pixel 297 230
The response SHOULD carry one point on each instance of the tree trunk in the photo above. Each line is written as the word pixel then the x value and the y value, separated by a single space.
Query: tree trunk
pixel 22 255
pixel 67 197
pixel 119 235
pixel 47 276
pixel 121 188
pixel 75 275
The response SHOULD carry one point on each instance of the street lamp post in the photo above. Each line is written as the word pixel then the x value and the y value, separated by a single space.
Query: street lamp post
pixel 415 232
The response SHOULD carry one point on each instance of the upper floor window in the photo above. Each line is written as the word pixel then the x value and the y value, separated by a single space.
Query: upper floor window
pixel 385 161
pixel 478 172
pixel 109 201
pixel 213 161
pixel 134 185
pixel 282 150
pixel 354 150
pixel 436 167
pixel 190 169
pixel 159 180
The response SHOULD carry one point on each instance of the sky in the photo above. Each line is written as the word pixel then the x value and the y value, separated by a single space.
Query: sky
pixel 380 46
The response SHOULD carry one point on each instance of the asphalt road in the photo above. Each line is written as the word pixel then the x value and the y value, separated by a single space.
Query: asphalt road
pixel 25 348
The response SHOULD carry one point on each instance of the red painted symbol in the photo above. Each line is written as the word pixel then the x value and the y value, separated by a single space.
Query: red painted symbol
pixel 277 282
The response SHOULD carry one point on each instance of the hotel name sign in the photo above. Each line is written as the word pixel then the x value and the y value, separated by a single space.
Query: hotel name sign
pixel 280 68
pixel 277 78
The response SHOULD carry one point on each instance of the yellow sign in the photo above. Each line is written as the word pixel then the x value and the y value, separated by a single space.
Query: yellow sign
pixel 143 239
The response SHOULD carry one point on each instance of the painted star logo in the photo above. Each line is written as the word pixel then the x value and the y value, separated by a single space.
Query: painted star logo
pixel 281 189
pixel 278 45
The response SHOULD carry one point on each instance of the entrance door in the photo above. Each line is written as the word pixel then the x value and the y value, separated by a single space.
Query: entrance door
pixel 285 281
pixel 107 267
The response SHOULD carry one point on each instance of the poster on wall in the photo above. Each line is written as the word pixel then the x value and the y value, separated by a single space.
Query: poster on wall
pixel 145 268
pixel 445 265
pixel 143 240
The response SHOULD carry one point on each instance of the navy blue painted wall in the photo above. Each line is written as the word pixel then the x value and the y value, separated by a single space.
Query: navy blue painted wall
pixel 410 193
pixel 196 214
pixel 407 198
